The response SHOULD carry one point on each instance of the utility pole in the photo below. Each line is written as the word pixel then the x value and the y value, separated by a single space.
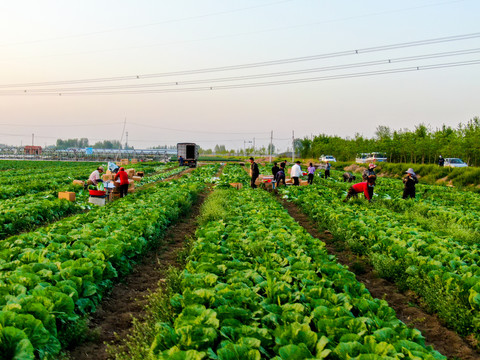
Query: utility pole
pixel 126 140
pixel 270 150
pixel 293 146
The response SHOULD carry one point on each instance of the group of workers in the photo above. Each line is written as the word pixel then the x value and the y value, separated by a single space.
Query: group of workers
pixel 120 174
pixel 366 187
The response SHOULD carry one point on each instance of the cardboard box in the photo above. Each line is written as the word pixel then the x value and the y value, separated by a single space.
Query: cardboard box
pixel 107 177
pixel 237 185
pixel 140 174
pixel 70 196
pixel 303 182
pixel 134 161
pixel 79 182
pixel 130 172
pixel 108 172
pixel 136 178
pixel 97 201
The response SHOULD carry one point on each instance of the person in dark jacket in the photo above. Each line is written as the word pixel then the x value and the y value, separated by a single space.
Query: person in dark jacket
pixel 123 176
pixel 409 180
pixel 348 177
pixel 253 172
pixel 328 166
pixel 441 161
pixel 275 169
pixel 370 172
pixel 362 187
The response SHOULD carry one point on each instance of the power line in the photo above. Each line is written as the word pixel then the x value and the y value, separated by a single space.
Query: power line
pixel 253 65
pixel 257 76
pixel 261 84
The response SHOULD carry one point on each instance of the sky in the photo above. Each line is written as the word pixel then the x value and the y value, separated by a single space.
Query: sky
pixel 233 73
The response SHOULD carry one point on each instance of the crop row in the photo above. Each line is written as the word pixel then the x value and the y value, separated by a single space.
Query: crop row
pixel 24 213
pixel 52 277
pixel 257 285
pixel 428 211
pixel 440 269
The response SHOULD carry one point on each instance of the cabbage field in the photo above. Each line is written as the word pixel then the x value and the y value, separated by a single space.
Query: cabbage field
pixel 254 283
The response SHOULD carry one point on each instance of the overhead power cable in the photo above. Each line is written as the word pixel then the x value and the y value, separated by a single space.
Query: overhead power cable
pixel 260 84
pixel 251 65
pixel 255 76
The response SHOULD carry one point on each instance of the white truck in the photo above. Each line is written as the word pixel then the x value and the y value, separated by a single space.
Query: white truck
pixel 189 153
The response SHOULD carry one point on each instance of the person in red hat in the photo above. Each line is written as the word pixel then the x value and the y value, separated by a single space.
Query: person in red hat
pixel 364 187
pixel 123 176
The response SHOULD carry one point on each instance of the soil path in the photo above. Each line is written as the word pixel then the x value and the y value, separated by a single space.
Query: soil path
pixel 436 334
pixel 113 319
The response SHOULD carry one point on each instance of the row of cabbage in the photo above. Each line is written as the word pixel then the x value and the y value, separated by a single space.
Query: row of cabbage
pixel 52 277
pixel 438 267
pixel 257 285
pixel 26 212
pixel 440 209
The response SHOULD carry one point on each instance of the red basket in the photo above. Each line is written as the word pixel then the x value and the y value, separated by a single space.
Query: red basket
pixel 97 192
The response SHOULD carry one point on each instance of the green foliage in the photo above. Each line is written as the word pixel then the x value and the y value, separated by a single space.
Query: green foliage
pixel 53 277
pixel 427 245
pixel 419 146
pixel 257 285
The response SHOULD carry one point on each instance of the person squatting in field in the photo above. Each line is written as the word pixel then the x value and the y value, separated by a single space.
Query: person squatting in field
pixel 280 174
pixel 409 180
pixel 348 177
pixel 364 187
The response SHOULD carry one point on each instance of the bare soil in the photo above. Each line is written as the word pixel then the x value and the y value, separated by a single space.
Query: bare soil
pixel 408 309
pixel 113 319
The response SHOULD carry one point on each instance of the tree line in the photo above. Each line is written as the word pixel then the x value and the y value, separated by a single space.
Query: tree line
pixel 83 143
pixel 419 146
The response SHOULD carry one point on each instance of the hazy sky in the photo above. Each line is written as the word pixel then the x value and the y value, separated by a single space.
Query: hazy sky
pixel 50 48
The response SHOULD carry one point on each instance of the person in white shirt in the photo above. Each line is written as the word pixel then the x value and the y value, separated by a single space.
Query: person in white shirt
pixel 296 173
pixel 95 176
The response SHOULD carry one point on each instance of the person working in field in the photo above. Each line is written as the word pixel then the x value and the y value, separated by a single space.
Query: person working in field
pixel 364 187
pixel 280 175
pixel 95 176
pixel 296 172
pixel 123 176
pixel 348 177
pixel 328 166
pixel 311 173
pixel 254 172
pixel 409 180
pixel 370 172
pixel 275 169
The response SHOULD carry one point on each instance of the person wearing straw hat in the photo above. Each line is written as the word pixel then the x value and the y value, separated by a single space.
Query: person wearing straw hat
pixel 95 176
pixel 409 180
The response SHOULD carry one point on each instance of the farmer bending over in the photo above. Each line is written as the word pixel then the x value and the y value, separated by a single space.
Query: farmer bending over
pixel 362 187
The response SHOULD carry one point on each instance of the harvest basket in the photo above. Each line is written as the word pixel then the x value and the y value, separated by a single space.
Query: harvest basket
pixel 97 192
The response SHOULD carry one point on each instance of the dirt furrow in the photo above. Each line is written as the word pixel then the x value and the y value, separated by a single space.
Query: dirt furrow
pixel 447 342
pixel 113 319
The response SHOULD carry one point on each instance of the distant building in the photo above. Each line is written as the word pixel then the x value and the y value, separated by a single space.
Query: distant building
pixel 32 150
